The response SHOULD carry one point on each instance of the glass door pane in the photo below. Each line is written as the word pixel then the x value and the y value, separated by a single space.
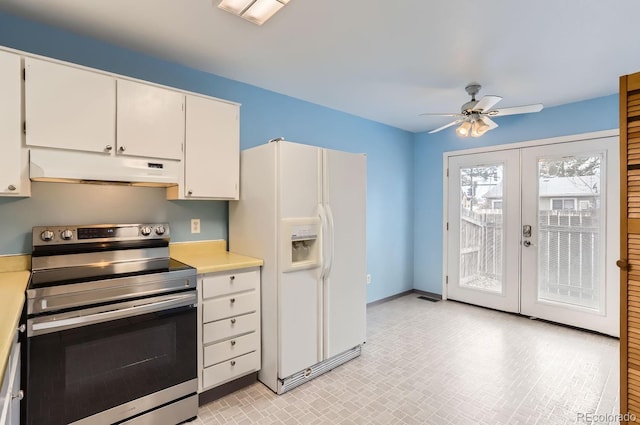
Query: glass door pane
pixel 481 232
pixel 570 230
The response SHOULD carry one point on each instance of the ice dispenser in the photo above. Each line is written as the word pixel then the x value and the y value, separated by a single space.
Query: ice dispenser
pixel 301 243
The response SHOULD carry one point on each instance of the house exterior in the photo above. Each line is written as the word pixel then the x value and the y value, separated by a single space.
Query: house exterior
pixel 579 193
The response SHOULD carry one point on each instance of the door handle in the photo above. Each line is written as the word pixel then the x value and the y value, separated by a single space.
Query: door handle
pixel 526 243
pixel 526 231
pixel 623 264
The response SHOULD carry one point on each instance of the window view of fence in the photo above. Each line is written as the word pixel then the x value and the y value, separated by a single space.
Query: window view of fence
pixel 481 250
pixel 481 230
pixel 570 230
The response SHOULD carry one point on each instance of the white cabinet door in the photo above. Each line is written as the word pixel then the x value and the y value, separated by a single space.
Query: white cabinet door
pixel 212 155
pixel 69 108
pixel 150 121
pixel 10 124
pixel 10 394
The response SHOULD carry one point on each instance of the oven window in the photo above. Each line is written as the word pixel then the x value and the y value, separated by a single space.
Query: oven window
pixel 79 372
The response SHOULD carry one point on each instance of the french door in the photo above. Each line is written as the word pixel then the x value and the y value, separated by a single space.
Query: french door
pixel 534 230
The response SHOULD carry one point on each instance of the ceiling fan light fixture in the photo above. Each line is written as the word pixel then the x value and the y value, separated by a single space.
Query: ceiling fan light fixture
pixel 464 129
pixel 256 11
pixel 479 127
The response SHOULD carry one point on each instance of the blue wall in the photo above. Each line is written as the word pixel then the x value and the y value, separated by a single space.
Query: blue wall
pixel 575 118
pixel 264 115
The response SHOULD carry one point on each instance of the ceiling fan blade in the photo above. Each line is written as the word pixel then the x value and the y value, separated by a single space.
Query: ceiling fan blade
pixel 491 123
pixel 440 115
pixel 524 109
pixel 446 126
pixel 486 103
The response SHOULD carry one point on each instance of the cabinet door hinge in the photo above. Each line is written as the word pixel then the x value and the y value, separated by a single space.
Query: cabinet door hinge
pixel 24 127
pixel 447 172
pixel 446 280
pixel 447 225
pixel 24 74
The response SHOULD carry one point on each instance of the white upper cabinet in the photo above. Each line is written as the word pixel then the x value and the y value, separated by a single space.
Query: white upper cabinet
pixel 212 150
pixel 11 162
pixel 68 107
pixel 150 121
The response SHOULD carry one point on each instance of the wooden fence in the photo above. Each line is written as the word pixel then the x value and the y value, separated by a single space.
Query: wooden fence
pixel 569 252
pixel 481 249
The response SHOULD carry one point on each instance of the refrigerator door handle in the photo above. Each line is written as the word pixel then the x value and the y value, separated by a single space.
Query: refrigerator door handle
pixel 331 239
pixel 324 224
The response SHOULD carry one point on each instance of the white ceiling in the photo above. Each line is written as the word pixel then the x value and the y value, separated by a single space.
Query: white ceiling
pixel 387 61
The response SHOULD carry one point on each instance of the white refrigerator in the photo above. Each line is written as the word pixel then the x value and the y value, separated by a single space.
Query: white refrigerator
pixel 302 209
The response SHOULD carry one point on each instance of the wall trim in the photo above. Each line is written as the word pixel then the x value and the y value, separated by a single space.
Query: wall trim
pixel 402 294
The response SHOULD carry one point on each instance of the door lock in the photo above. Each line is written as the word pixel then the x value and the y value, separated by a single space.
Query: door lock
pixel 526 231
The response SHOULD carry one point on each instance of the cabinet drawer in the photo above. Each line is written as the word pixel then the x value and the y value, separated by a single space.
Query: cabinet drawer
pixel 230 369
pixel 233 305
pixel 226 328
pixel 228 283
pixel 230 348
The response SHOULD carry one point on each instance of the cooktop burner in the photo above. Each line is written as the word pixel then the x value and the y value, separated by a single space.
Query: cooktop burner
pixel 102 271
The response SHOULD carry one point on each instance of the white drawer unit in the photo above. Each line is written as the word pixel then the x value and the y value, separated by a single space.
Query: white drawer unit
pixel 231 369
pixel 229 283
pixel 234 347
pixel 225 329
pixel 230 306
pixel 229 326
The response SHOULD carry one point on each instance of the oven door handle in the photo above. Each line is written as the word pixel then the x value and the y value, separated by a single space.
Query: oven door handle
pixel 49 324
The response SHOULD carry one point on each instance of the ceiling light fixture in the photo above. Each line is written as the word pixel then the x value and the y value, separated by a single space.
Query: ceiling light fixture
pixel 473 126
pixel 478 128
pixel 464 129
pixel 256 11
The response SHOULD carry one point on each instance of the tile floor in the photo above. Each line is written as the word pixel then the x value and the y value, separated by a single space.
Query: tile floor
pixel 447 363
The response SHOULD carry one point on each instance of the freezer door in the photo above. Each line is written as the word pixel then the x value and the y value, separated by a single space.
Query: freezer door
pixel 299 296
pixel 345 292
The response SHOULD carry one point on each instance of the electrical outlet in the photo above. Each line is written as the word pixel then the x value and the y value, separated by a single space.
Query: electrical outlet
pixel 368 279
pixel 195 225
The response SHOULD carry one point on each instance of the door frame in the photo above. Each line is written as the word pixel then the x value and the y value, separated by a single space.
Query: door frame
pixel 493 148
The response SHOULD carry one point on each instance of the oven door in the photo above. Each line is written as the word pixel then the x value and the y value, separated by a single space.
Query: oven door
pixel 108 363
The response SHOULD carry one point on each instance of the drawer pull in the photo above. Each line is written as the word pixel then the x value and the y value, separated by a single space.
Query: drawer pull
pixel 232 300
pixel 19 395
pixel 233 342
pixel 233 321
pixel 232 278
pixel 233 362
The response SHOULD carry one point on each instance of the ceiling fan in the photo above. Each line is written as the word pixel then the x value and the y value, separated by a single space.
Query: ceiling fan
pixel 475 116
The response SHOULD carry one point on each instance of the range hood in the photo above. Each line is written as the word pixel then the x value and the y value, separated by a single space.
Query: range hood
pixel 55 165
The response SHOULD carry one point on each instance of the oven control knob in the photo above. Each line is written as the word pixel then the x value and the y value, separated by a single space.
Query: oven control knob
pixel 160 230
pixel 145 230
pixel 46 236
pixel 66 235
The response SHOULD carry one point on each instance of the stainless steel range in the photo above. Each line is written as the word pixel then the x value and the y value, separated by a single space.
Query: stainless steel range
pixel 111 328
